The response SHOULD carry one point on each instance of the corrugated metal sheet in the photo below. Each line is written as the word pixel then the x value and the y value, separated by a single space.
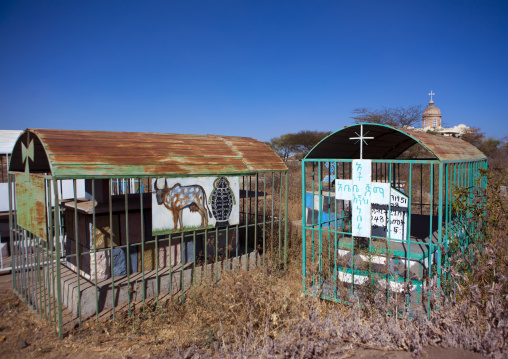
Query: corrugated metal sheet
pixel 447 148
pixel 100 153
pixel 8 139
pixel 390 142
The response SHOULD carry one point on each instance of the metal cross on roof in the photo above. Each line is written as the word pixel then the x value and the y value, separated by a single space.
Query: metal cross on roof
pixel 361 139
pixel 431 94
pixel 27 153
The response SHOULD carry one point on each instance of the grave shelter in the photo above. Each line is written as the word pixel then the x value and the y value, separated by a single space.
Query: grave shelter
pixel 378 209
pixel 159 213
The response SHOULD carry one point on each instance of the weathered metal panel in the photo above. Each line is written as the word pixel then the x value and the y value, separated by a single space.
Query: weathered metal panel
pixel 447 148
pixel 100 153
pixel 30 204
pixel 8 139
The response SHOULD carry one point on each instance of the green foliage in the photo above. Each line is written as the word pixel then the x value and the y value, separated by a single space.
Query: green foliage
pixel 489 146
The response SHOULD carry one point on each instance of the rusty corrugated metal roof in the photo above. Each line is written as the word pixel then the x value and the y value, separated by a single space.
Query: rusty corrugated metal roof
pixel 390 142
pixel 72 153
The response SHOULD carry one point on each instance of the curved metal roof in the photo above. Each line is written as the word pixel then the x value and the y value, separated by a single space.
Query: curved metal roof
pixel 389 143
pixel 79 154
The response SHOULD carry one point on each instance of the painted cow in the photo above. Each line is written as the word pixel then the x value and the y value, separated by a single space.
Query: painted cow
pixel 179 197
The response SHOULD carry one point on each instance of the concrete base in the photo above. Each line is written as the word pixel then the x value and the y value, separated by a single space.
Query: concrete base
pixel 116 293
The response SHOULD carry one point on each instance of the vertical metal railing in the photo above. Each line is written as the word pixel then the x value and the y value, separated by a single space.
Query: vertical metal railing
pixel 68 268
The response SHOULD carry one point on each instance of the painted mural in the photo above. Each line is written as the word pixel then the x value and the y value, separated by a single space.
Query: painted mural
pixel 180 204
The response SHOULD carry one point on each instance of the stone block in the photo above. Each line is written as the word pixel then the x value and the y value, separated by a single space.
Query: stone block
pixel 119 261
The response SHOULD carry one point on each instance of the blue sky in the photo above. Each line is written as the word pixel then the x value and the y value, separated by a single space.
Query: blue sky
pixel 248 68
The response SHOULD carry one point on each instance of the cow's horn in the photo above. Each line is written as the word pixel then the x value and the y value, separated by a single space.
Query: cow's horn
pixel 155 184
pixel 165 183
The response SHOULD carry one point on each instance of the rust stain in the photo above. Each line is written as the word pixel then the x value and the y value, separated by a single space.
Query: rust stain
pixel 447 148
pixel 89 153
pixel 31 204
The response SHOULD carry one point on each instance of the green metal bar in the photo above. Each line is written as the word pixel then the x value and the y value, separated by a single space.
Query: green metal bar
pixel 51 266
pixel 142 224
pixel 329 224
pixel 94 234
pixel 353 261
pixel 206 252
pixel 227 249
pixel 29 247
pixel 182 259
pixel 335 244
pixel 11 231
pixel 127 240
pixel 286 221
pixel 247 200
pixel 384 160
pixel 431 214
pixel 44 286
pixel 157 289
pixel 440 225
pixel 237 230
pixel 76 238
pixel 304 230
pixel 447 217
pixel 256 186
pixel 43 262
pixel 216 264
pixel 320 219
pixel 38 290
pixel 280 216
pixel 57 250
pixel 111 264
pixel 273 199
pixel 43 245
pixel 389 225
pixel 194 259
pixel 408 234
pixel 264 219
pixel 313 223
pixel 171 267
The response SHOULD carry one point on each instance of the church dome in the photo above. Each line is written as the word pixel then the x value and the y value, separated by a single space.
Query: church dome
pixel 432 110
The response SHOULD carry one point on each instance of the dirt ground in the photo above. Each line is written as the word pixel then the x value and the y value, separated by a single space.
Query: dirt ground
pixel 23 335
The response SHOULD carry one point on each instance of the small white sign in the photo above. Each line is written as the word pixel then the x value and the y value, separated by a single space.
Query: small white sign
pixel 361 198
pixel 344 189
pixel 398 217
pixel 370 202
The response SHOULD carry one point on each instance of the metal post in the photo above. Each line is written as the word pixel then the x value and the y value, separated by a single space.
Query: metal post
pixel 304 230
pixel 111 234
pixel 76 239
pixel 58 264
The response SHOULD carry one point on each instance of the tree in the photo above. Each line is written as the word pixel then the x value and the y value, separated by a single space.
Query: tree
pixel 282 145
pixel 293 143
pixel 397 116
pixel 488 146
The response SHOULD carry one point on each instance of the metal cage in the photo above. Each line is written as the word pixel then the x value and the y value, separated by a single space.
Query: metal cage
pixel 378 211
pixel 93 251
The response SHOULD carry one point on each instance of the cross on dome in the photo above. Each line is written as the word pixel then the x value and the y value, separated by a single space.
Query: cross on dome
pixel 431 93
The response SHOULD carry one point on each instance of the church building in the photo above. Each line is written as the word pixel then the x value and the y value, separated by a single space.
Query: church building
pixel 431 122
pixel 432 114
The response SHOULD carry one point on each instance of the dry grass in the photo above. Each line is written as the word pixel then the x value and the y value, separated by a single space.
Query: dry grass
pixel 263 312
